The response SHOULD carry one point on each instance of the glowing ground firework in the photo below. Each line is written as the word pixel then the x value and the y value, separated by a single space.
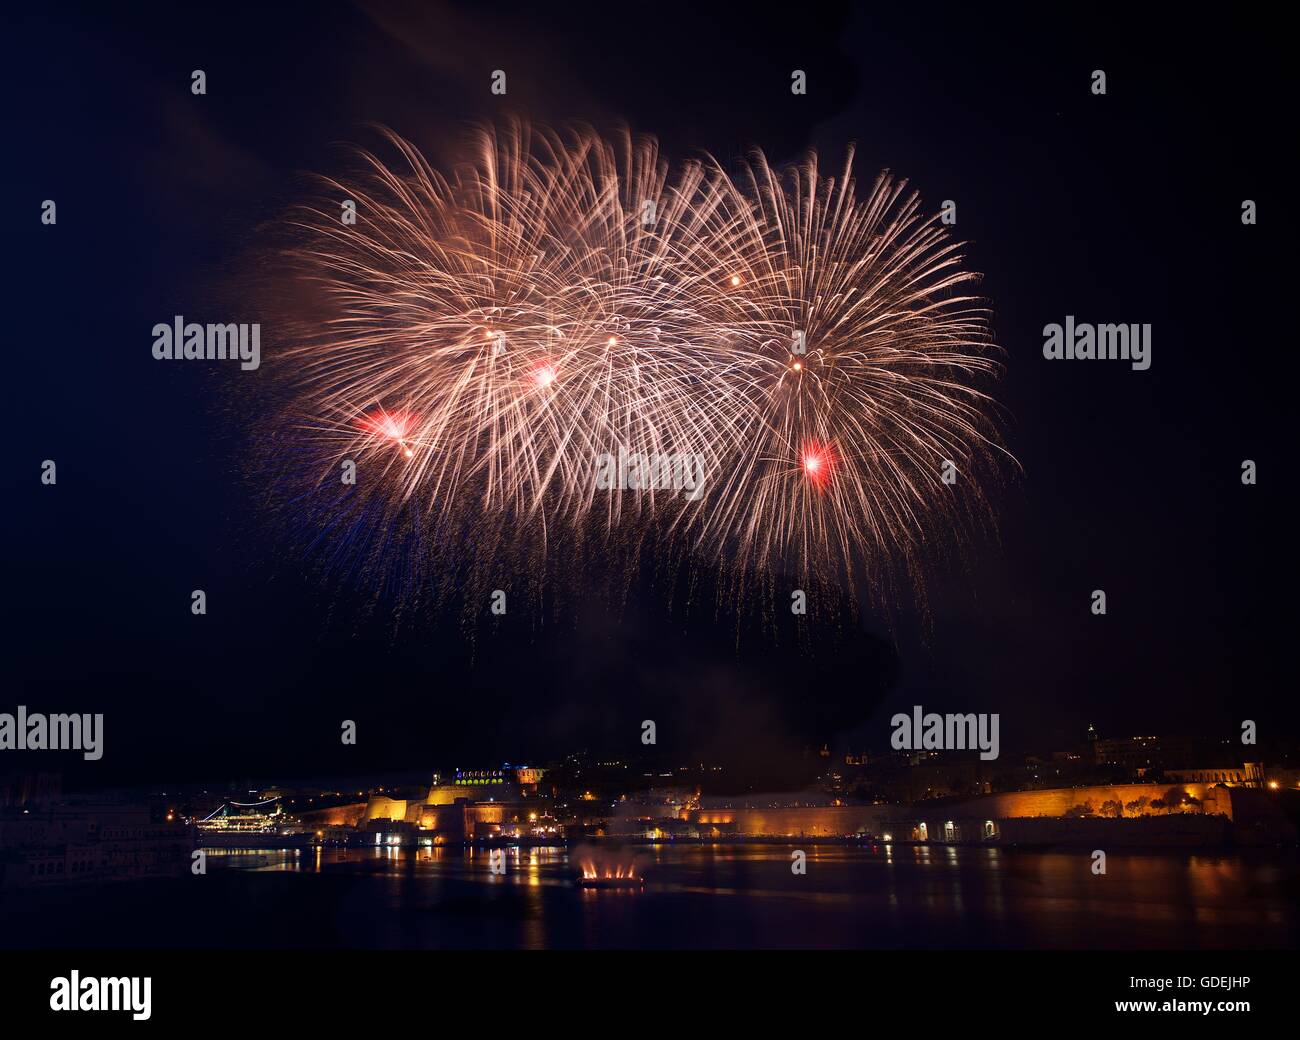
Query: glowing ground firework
pixel 562 297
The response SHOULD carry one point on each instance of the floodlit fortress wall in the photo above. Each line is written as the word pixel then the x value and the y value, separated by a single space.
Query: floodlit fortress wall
pixel 1127 800
pixel 336 816
pixel 1174 814
pixel 831 821
pixel 1061 800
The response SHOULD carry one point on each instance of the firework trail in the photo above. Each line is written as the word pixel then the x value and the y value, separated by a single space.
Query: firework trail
pixel 561 297
pixel 864 360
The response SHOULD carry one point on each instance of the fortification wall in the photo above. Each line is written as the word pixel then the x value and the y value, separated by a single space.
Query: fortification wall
pixel 1135 798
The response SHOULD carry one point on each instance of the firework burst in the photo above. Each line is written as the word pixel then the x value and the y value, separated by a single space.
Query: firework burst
pixel 865 357
pixel 562 297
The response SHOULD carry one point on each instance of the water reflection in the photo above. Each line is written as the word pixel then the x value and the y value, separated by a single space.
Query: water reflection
pixel 890 895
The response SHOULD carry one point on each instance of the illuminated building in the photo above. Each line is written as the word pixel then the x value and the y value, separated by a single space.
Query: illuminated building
pixel 470 805
pixel 1138 754
pixel 1250 774
pixel 481 785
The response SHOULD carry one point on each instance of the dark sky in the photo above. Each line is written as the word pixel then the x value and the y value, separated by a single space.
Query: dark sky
pixel 1123 208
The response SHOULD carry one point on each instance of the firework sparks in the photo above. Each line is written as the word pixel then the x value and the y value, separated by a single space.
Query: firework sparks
pixel 507 325
pixel 394 427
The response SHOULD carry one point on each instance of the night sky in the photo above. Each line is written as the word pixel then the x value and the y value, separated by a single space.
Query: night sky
pixel 1123 208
